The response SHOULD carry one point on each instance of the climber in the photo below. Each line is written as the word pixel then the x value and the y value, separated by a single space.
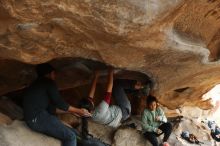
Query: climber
pixel 154 122
pixel 40 101
pixel 113 115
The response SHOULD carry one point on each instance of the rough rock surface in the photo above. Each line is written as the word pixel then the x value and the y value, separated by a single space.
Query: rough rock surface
pixel 102 132
pixel 9 108
pixel 131 137
pixel 18 134
pixel 4 119
pixel 176 43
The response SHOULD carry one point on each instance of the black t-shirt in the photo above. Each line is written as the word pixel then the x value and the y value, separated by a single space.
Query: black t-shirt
pixel 42 95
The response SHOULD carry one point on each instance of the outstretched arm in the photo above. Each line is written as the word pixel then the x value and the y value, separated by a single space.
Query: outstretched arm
pixel 79 111
pixel 109 86
pixel 73 110
pixel 93 87
pixel 110 80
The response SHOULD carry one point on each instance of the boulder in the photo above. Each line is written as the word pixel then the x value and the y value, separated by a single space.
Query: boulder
pixel 5 119
pixel 18 134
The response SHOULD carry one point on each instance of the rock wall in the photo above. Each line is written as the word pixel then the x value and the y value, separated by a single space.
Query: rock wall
pixel 5 119
pixel 18 134
pixel 175 43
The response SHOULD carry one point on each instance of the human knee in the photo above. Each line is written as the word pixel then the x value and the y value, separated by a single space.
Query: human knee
pixel 168 126
pixel 70 136
pixel 154 142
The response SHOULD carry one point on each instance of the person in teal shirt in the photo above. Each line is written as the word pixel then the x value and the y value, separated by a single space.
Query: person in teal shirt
pixel 154 122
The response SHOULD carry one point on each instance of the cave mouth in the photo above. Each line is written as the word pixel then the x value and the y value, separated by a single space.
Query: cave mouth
pixel 214 95
pixel 74 77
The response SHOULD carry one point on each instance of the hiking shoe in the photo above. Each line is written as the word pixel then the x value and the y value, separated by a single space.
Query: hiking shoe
pixel 166 144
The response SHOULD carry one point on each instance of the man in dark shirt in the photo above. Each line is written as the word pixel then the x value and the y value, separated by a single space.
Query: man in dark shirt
pixel 41 99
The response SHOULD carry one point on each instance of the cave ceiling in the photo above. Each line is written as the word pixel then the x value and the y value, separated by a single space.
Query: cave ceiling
pixel 176 43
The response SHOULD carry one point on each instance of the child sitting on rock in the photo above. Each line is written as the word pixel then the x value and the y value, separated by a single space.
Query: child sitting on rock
pixel 154 122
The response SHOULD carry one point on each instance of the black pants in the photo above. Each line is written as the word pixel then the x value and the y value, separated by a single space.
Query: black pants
pixel 213 134
pixel 152 136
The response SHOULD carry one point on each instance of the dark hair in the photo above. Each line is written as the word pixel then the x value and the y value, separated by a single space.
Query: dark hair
pixel 147 87
pixel 150 99
pixel 87 104
pixel 44 69
pixel 144 91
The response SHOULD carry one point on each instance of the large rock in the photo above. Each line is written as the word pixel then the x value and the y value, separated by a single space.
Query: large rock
pixel 9 108
pixel 5 119
pixel 102 132
pixel 196 127
pixel 129 137
pixel 99 131
pixel 172 42
pixel 18 134
pixel 132 137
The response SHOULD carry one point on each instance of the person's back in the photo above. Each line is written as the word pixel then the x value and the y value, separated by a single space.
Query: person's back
pixel 35 98
pixel 39 98
pixel 107 115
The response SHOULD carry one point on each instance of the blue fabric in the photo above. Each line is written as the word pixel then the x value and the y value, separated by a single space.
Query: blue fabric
pixel 185 134
pixel 50 125
pixel 120 87
pixel 217 130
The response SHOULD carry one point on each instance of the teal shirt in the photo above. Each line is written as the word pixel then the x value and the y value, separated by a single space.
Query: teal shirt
pixel 149 123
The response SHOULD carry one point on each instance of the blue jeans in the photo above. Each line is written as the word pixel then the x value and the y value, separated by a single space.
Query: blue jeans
pixel 120 87
pixel 50 125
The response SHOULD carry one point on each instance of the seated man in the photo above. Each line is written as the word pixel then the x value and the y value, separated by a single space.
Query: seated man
pixel 113 115
pixel 154 122
pixel 38 99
